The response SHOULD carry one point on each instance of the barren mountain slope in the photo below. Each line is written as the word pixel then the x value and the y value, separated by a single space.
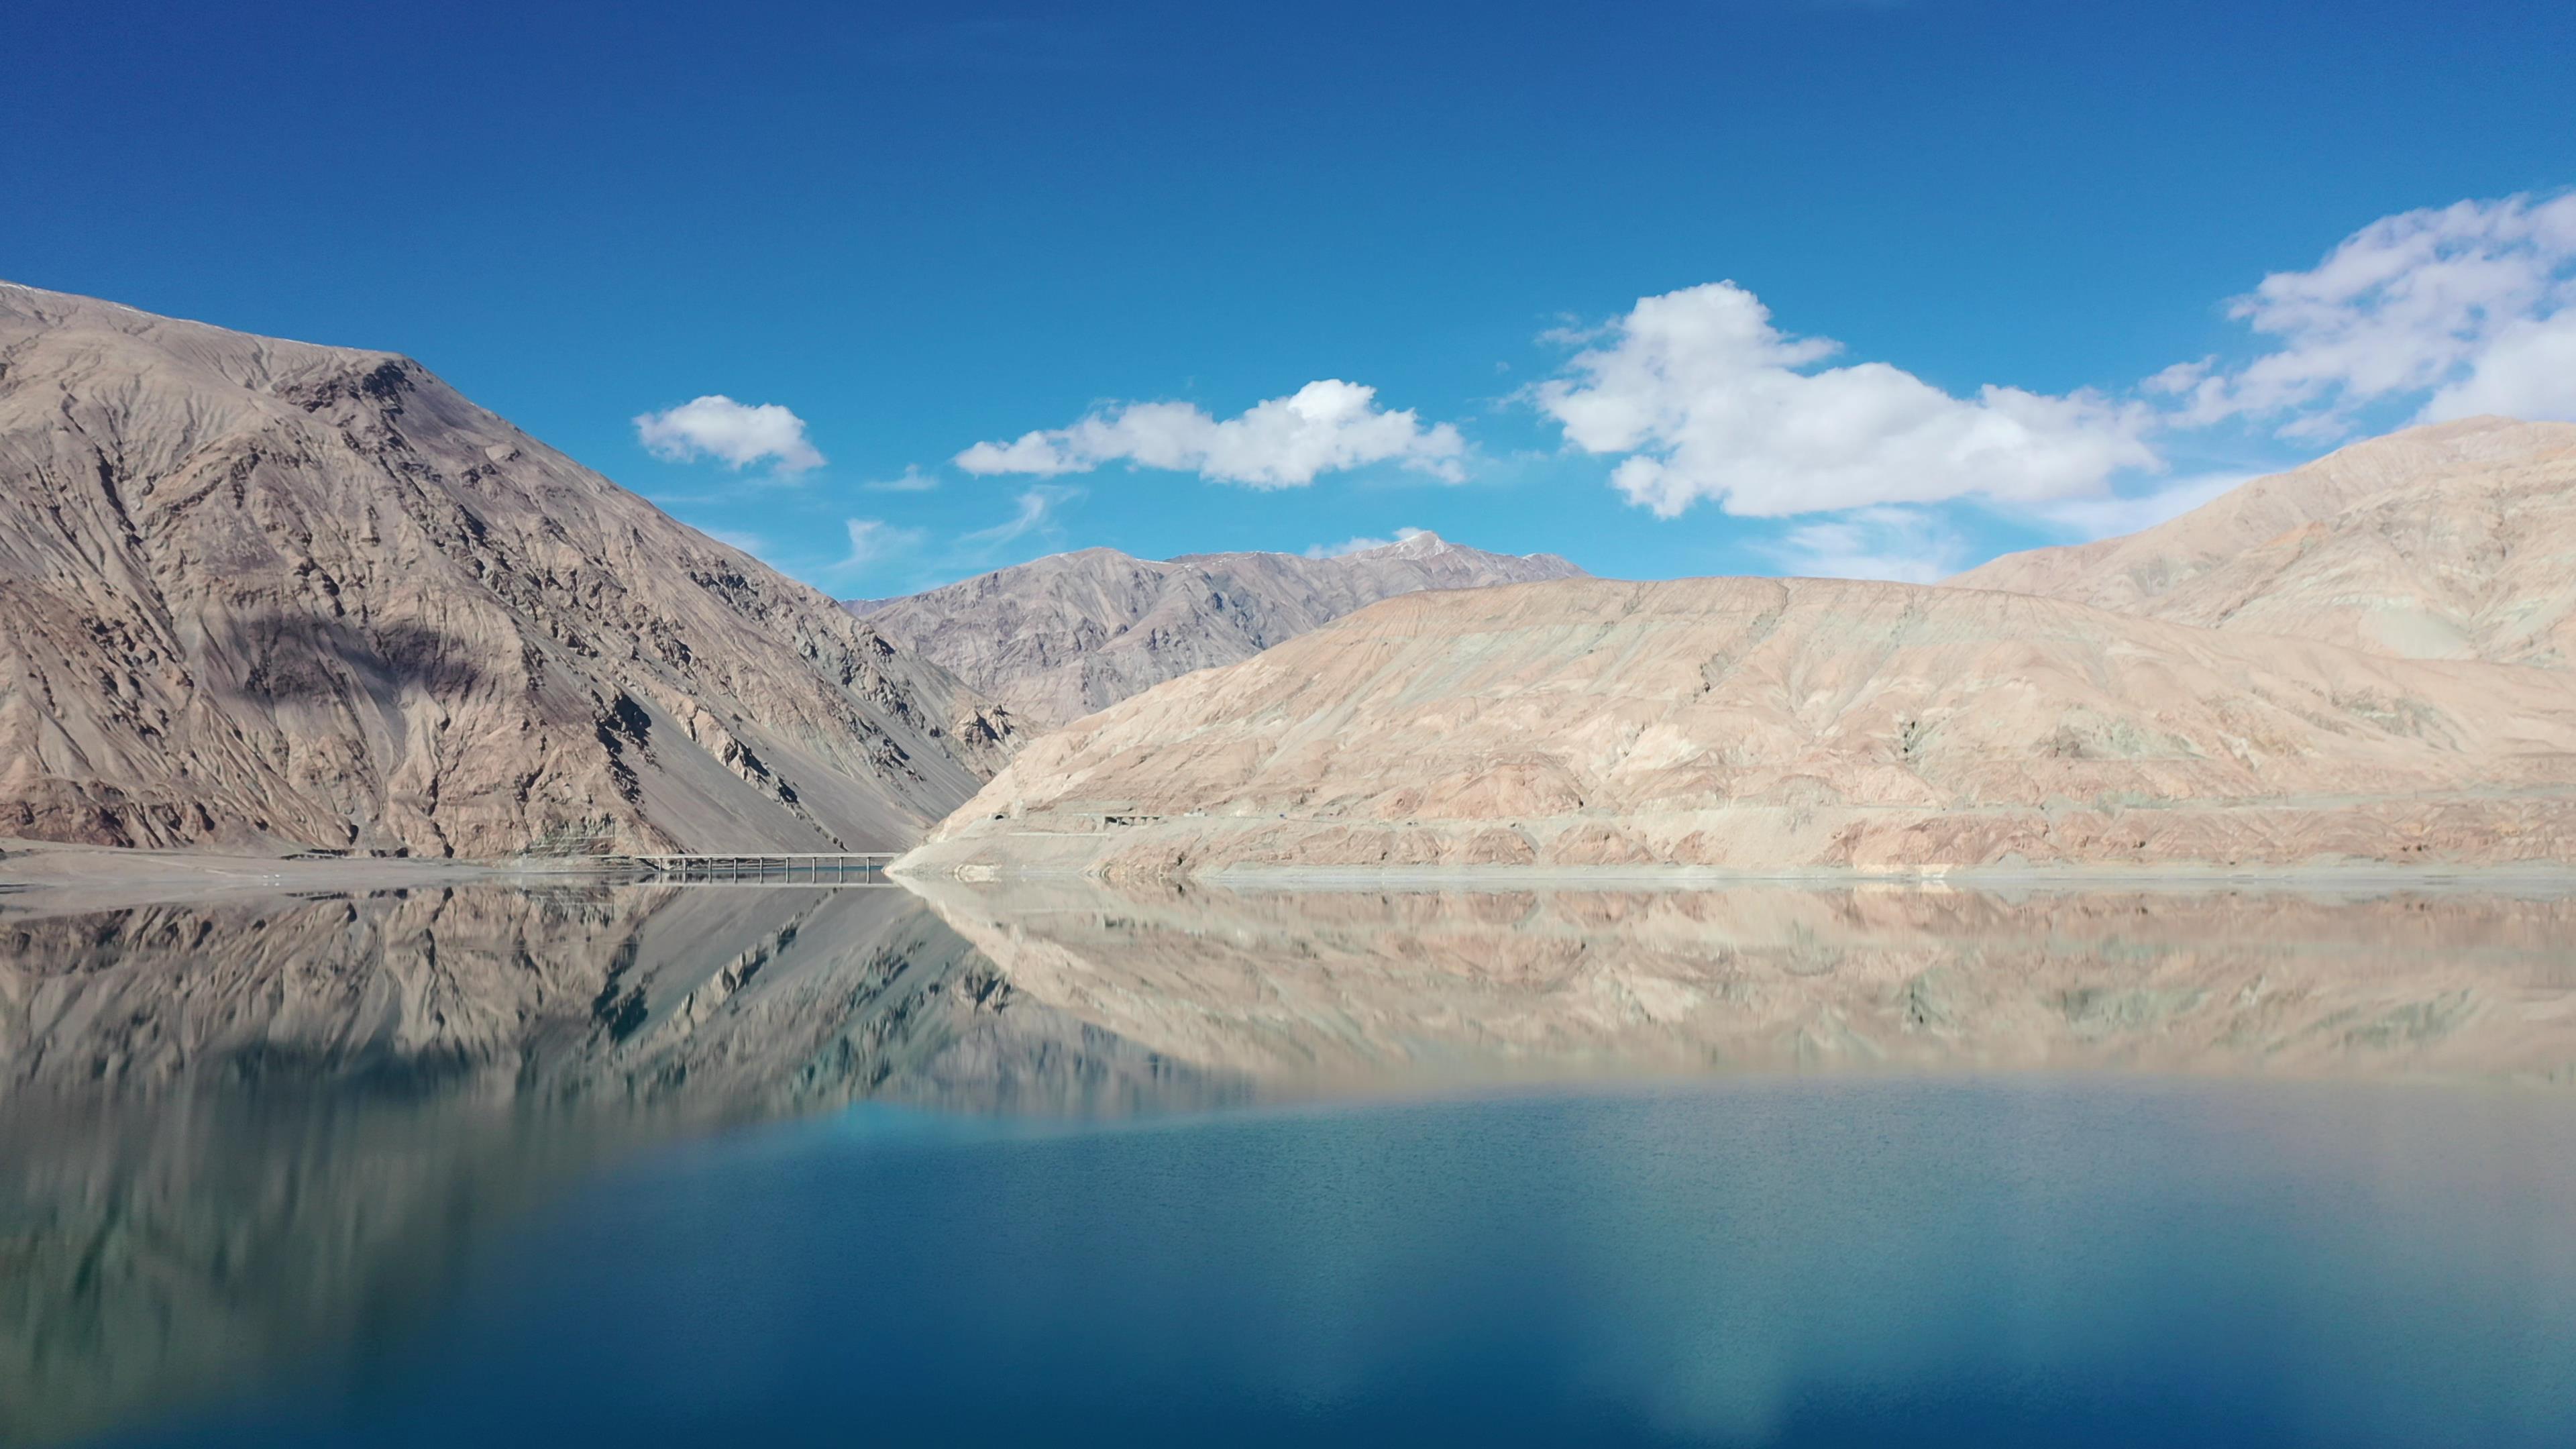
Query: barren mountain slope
pixel 268 591
pixel 1765 723
pixel 1072 633
pixel 2456 541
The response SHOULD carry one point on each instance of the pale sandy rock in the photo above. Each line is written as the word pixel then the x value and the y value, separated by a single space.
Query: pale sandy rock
pixel 1075 632
pixel 1766 724
pixel 2455 541
pixel 266 593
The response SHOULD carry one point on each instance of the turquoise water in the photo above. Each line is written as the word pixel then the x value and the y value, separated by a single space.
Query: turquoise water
pixel 1764 1166
pixel 1770 1262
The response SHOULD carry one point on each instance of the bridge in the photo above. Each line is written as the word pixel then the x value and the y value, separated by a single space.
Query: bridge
pixel 752 869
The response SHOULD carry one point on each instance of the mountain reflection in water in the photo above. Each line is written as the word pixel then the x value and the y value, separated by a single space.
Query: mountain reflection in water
pixel 256 1139
pixel 1319 986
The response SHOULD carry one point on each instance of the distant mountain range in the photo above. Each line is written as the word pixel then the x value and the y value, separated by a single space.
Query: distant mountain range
pixel 267 592
pixel 1066 635
pixel 272 595
pixel 2296 674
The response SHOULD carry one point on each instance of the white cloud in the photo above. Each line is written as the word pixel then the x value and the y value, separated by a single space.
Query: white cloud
pixel 1907 545
pixel 732 433
pixel 1709 401
pixel 2469 307
pixel 1351 546
pixel 873 541
pixel 911 480
pixel 750 543
pixel 2112 514
pixel 2527 371
pixel 1286 442
pixel 1925 545
pixel 1036 508
pixel 2432 314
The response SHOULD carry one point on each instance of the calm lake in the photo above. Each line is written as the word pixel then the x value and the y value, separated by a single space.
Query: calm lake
pixel 1756 1167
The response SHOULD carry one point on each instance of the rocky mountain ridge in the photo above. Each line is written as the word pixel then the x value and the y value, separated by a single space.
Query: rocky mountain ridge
pixel 1065 635
pixel 273 594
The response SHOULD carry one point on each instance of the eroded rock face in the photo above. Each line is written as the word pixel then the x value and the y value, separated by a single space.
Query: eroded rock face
pixel 1076 632
pixel 1762 724
pixel 2456 541
pixel 268 593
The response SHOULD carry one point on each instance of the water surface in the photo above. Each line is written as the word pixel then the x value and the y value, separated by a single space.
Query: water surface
pixel 1759 1167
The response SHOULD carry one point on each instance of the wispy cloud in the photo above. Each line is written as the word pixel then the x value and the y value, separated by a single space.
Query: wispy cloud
pixel 873 542
pixel 1035 510
pixel 1351 546
pixel 2110 514
pixel 910 480
pixel 732 433
pixel 1906 545
pixel 1286 442
pixel 2454 310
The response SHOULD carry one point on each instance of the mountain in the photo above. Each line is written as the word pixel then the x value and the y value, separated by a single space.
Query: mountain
pixel 2456 541
pixel 1059 638
pixel 264 592
pixel 1776 724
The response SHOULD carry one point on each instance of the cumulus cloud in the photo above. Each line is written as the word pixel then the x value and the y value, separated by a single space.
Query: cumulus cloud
pixel 735 434
pixel 1351 546
pixel 873 541
pixel 1907 545
pixel 1709 401
pixel 2468 308
pixel 2527 371
pixel 1035 509
pixel 1286 442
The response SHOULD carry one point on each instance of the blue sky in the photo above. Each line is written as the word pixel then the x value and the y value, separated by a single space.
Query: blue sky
pixel 1727 286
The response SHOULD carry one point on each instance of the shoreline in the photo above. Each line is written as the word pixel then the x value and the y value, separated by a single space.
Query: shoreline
pixel 58 877
pixel 2370 876
pixel 55 878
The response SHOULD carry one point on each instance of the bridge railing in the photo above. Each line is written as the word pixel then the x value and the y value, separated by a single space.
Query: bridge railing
pixel 755 866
